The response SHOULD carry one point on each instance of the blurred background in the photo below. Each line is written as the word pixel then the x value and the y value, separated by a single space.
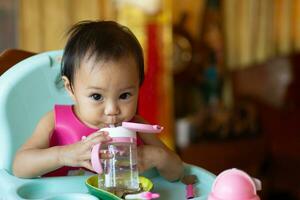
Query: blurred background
pixel 223 75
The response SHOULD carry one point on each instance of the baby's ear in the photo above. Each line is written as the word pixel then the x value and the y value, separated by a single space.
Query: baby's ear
pixel 68 86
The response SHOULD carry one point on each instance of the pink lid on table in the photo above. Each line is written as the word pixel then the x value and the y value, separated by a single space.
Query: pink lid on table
pixel 144 128
pixel 234 184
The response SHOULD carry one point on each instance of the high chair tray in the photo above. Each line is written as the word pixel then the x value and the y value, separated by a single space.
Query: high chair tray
pixel 73 187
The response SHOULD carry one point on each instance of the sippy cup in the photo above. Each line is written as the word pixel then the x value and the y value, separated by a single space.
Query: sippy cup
pixel 234 184
pixel 116 161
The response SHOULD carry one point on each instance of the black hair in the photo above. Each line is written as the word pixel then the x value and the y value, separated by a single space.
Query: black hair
pixel 103 39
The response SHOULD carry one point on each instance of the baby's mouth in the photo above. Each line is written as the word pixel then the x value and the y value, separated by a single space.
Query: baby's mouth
pixel 112 125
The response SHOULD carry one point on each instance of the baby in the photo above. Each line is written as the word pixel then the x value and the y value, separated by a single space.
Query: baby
pixel 102 70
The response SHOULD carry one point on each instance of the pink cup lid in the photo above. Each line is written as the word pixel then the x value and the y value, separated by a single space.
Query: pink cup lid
pixel 144 128
pixel 234 184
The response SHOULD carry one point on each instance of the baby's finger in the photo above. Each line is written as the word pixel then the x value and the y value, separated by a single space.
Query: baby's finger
pixel 85 156
pixel 95 135
pixel 100 139
pixel 89 144
pixel 88 165
pixel 141 168
pixel 106 155
pixel 103 155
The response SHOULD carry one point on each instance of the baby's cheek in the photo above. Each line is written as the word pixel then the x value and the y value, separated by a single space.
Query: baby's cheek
pixel 93 118
pixel 130 111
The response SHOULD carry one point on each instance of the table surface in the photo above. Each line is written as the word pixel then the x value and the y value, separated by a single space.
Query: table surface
pixel 73 187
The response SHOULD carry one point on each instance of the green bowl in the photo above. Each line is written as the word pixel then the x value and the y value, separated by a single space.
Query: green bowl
pixel 92 185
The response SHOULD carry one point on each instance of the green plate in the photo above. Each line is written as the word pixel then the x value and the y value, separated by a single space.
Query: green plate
pixel 92 185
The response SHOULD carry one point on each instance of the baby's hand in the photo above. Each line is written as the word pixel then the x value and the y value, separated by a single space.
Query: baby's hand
pixel 149 156
pixel 79 154
pixel 168 164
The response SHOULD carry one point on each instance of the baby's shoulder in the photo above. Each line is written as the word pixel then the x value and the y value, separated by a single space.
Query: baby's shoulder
pixel 45 126
pixel 48 119
pixel 49 114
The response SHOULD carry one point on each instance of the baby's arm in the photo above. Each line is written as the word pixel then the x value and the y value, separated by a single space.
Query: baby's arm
pixel 156 154
pixel 36 158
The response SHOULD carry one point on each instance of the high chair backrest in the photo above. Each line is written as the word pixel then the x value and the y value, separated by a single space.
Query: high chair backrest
pixel 10 57
pixel 27 91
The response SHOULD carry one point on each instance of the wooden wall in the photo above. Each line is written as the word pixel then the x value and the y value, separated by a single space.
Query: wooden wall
pixel 195 10
pixel 43 23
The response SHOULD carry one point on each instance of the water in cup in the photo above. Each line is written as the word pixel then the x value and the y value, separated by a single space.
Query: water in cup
pixel 119 163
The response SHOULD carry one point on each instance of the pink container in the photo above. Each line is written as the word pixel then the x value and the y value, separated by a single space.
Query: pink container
pixel 118 169
pixel 234 184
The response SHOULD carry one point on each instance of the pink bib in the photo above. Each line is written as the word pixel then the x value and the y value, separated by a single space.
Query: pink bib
pixel 68 130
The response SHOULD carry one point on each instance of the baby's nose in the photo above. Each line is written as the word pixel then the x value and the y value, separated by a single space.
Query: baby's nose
pixel 111 108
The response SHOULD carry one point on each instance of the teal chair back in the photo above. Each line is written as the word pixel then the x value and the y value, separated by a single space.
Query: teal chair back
pixel 28 90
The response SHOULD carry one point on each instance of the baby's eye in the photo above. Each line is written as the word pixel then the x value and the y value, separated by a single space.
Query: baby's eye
pixel 97 97
pixel 125 95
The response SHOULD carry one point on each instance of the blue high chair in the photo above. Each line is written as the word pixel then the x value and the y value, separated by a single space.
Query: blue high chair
pixel 27 91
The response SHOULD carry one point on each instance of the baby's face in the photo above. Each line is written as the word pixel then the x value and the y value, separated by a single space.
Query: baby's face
pixel 106 92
